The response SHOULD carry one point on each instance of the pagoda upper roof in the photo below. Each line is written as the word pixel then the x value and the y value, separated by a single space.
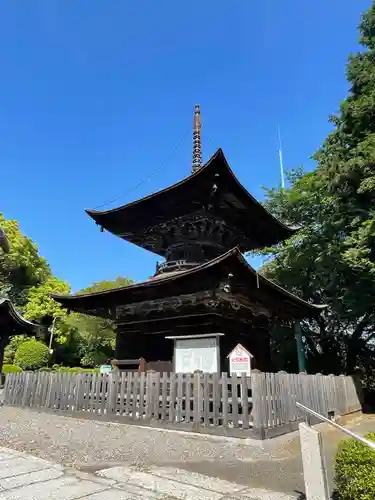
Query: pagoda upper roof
pixel 247 282
pixel 233 204
pixel 12 322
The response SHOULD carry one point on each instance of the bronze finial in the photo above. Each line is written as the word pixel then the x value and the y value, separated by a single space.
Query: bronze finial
pixel 197 140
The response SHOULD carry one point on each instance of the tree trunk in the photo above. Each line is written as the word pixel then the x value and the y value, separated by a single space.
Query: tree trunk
pixel 354 345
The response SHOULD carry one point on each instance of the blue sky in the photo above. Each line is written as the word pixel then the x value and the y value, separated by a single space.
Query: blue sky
pixel 96 95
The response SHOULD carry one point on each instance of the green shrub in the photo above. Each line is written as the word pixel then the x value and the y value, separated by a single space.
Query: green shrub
pixel 355 470
pixel 62 369
pixel 76 369
pixel 31 355
pixel 45 369
pixel 68 369
pixel 11 369
pixel 91 370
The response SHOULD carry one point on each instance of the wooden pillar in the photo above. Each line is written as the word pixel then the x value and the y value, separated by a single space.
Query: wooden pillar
pixel 299 346
pixel 263 360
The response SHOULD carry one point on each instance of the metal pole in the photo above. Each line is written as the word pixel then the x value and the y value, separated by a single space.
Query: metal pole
pixel 300 349
pixel 51 331
pixel 363 440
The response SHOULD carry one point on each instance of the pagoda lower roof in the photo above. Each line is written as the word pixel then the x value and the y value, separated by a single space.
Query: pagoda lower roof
pixel 12 322
pixel 246 281
pixel 254 226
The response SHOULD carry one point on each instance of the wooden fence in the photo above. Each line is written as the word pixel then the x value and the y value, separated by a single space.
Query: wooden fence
pixel 261 406
pixel 275 396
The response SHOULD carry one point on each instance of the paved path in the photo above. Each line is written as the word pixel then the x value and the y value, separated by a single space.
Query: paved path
pixel 24 477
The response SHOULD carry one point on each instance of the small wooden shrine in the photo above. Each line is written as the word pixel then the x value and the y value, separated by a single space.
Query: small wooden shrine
pixel 204 288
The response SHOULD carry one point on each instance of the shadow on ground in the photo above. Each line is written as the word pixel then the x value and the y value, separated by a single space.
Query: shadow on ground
pixel 284 475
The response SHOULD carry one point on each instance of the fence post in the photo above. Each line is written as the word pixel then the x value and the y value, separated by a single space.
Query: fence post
pixel 257 393
pixel 198 397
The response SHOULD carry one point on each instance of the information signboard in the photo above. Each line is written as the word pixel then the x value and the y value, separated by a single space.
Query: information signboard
pixel 193 354
pixel 240 361
pixel 105 369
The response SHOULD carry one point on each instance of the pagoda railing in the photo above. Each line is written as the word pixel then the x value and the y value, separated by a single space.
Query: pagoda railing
pixel 174 265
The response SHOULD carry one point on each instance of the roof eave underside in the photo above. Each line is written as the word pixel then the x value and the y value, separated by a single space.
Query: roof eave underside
pixel 183 193
pixel 124 294
pixel 6 307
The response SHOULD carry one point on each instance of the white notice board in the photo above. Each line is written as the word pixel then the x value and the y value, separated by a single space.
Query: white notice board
pixel 191 354
pixel 240 361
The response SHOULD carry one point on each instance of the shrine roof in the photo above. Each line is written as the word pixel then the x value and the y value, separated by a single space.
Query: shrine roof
pixel 12 322
pixel 205 276
pixel 232 203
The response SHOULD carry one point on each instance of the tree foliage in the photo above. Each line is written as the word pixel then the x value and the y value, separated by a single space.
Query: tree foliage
pixel 31 355
pixel 331 259
pixel 95 336
pixel 101 286
pixel 40 304
pixel 22 267
pixel 11 348
pixel 26 278
pixel 355 470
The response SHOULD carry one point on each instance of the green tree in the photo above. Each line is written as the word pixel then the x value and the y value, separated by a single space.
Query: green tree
pixel 95 336
pixel 332 257
pixel 22 267
pixel 11 348
pixel 31 355
pixel 101 286
pixel 40 304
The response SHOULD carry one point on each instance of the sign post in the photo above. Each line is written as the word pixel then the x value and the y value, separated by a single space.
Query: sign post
pixel 240 362
pixel 105 369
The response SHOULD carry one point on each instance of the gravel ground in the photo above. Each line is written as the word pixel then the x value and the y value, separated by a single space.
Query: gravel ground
pixel 91 445
pixel 85 442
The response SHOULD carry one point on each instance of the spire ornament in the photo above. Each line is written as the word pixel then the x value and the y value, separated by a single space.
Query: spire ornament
pixel 197 140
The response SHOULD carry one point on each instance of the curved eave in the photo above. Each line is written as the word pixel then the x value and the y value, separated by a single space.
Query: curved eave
pixel 4 243
pixel 107 219
pixel 125 295
pixel 315 309
pixel 8 309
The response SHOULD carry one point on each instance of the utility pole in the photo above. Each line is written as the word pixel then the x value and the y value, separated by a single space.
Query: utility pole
pixel 281 159
pixel 51 330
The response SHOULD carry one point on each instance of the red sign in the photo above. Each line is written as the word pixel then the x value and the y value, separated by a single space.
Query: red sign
pixel 240 361
pixel 243 359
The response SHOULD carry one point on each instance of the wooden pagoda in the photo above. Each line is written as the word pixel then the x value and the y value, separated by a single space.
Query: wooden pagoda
pixel 201 226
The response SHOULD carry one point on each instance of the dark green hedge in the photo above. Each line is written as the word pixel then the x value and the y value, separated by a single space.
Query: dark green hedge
pixel 11 369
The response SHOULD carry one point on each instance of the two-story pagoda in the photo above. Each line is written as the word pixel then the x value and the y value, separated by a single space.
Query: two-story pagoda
pixel 201 226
